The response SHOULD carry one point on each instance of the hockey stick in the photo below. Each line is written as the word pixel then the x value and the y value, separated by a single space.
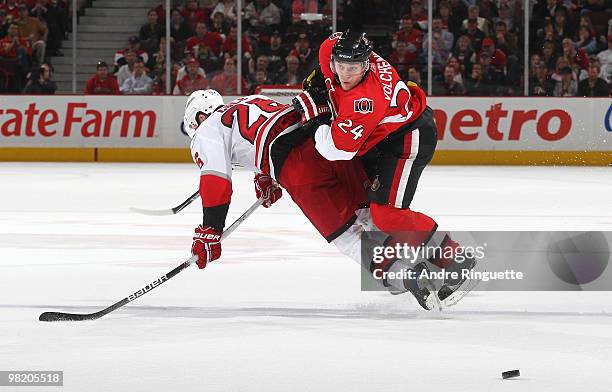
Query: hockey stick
pixel 170 211
pixel 60 316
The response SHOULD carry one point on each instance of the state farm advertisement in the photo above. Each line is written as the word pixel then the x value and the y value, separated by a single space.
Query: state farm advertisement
pixel 91 121
pixel 494 123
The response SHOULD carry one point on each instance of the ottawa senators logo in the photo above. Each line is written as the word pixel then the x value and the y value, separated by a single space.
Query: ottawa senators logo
pixel 363 105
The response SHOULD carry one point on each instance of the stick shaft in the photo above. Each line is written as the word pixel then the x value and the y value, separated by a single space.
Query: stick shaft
pixel 60 316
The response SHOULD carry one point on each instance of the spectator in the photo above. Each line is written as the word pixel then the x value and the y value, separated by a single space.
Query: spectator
pixel 126 70
pixel 562 27
pixel 226 82
pixel 487 9
pixel 157 62
pixel 415 76
pixel 40 81
pixel 507 43
pixel 474 34
pixel 192 80
pixel 151 32
pixel 11 8
pixel 230 45
pixel 492 74
pixel 276 53
pixel 534 61
pixel 290 77
pixel 548 55
pixel 547 34
pixel 541 85
pixel 262 13
pixel 463 52
pixel 193 14
pixel 228 9
pixel 219 24
pixel 482 23
pixel 605 60
pixel 504 40
pixel 102 83
pixel 544 9
pixel 557 75
pixel 34 31
pixel 139 82
pixel 459 12
pixel 449 86
pixel 305 54
pixel 56 18
pixel 18 51
pixel 418 15
pixel 182 71
pixel 205 46
pixel 593 85
pixel 453 62
pixel 439 51
pixel 475 84
pixel 401 59
pixel 567 86
pixel 261 79
pixel 586 41
pixel 448 22
pixel 133 46
pixel 261 64
pixel 447 37
pixel 412 36
pixel 179 29
pixel 505 15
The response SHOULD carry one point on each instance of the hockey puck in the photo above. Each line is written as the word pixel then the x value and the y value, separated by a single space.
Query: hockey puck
pixel 511 374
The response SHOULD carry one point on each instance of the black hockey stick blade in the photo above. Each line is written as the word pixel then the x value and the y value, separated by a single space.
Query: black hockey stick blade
pixel 59 316
pixel 169 211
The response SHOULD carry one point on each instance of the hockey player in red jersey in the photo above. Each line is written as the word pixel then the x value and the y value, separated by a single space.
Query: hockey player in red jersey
pixel 386 122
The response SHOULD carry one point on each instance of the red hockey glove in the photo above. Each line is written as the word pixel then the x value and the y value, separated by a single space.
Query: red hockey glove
pixel 266 188
pixel 206 244
pixel 310 105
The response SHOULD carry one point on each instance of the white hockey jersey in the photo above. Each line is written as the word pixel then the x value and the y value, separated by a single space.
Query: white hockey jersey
pixel 242 133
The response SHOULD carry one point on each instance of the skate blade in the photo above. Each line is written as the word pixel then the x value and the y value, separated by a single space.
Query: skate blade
pixel 433 302
pixel 462 291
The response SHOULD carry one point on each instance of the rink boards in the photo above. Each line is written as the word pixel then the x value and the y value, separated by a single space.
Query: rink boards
pixel 491 130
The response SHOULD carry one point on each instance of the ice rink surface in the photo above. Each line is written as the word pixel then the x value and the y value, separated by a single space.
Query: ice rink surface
pixel 282 310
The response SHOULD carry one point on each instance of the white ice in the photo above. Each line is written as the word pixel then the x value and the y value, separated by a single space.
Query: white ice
pixel 282 310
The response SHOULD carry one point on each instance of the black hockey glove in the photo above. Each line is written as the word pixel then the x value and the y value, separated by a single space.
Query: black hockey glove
pixel 312 102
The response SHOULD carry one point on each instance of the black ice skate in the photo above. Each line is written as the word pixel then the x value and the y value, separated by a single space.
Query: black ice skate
pixel 422 288
pixel 453 289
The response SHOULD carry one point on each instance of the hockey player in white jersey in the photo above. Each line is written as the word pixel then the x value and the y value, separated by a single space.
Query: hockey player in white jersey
pixel 267 137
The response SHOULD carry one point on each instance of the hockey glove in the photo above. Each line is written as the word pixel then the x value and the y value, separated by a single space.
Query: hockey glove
pixel 306 104
pixel 206 244
pixel 312 102
pixel 266 188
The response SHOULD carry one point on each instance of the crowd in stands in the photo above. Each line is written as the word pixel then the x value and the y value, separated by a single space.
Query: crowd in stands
pixel 477 45
pixel 278 47
pixel 31 31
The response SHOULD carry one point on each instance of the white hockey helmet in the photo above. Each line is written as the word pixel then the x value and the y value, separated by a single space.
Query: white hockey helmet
pixel 200 101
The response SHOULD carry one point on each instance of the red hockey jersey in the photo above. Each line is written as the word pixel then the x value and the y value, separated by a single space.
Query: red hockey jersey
pixel 366 114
